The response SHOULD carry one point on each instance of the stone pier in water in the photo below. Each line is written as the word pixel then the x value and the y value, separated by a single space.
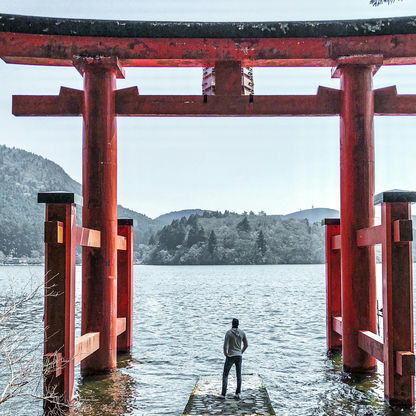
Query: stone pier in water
pixel 204 399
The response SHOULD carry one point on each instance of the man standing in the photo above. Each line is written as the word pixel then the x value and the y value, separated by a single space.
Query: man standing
pixel 232 350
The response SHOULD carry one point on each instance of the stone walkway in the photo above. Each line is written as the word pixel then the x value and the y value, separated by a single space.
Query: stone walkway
pixel 204 399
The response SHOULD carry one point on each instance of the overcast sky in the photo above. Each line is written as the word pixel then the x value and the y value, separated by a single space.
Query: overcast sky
pixel 278 165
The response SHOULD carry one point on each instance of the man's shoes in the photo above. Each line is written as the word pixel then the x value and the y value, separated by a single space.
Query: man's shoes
pixel 237 396
pixel 221 396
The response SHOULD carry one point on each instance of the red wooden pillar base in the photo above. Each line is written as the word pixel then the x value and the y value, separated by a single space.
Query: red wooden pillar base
pixel 399 360
pixel 125 285
pixel 333 281
pixel 60 239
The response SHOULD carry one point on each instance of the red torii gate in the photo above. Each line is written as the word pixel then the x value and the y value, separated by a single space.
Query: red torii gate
pixel 100 50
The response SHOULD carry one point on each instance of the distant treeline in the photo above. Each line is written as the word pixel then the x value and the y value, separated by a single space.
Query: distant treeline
pixel 230 238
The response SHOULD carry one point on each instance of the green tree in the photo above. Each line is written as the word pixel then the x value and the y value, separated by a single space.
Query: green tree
pixel 261 243
pixel 192 237
pixel 244 225
pixel 212 242
pixel 379 2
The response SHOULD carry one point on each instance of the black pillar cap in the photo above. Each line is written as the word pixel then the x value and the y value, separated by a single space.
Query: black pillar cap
pixel 125 221
pixel 395 195
pixel 59 197
pixel 331 221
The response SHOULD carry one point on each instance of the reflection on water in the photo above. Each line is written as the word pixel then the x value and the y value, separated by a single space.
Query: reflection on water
pixel 181 314
pixel 113 394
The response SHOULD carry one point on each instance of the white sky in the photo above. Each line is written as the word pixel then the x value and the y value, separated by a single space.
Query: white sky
pixel 278 165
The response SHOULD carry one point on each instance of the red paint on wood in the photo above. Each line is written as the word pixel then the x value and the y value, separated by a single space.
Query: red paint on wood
pixel 317 52
pixel 405 363
pixel 129 103
pixel 403 231
pixel 88 238
pixel 228 78
pixel 108 62
pixel 217 105
pixel 54 232
pixel 125 288
pixel 370 61
pixel 371 343
pixel 337 324
pixel 336 243
pixel 333 287
pixel 121 243
pixel 121 325
pixel 388 102
pixel 370 236
pixel 99 273
pixel 69 102
pixel 397 305
pixel 60 310
pixel 86 345
pixel 357 212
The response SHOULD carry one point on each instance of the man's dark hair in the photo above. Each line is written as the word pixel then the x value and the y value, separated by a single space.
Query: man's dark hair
pixel 235 323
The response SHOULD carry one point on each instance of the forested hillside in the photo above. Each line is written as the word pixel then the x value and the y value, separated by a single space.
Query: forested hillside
pixel 22 176
pixel 230 238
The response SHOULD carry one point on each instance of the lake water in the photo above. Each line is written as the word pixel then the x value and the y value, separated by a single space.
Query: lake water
pixel 181 314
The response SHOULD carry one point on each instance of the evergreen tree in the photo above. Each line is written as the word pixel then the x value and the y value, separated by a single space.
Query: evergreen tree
pixel 261 243
pixel 244 225
pixel 192 237
pixel 212 242
pixel 193 220
pixel 201 235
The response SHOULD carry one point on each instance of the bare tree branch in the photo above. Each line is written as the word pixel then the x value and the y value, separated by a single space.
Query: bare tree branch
pixel 21 350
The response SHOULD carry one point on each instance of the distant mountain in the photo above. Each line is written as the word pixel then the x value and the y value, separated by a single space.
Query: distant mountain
pixel 22 176
pixel 177 215
pixel 313 215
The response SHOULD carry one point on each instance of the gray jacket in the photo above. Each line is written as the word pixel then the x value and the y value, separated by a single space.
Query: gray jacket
pixel 233 340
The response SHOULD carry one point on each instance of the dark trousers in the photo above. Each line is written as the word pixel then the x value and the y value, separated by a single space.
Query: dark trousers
pixel 229 361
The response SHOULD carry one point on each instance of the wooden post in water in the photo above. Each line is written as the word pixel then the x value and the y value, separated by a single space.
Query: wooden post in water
pixel 333 281
pixel 357 207
pixel 399 358
pixel 99 273
pixel 125 285
pixel 59 321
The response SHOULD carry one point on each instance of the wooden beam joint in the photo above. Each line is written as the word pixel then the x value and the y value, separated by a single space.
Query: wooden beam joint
pixel 370 236
pixel 88 238
pixel 54 232
pixel 86 345
pixel 403 231
pixel 405 363
pixel 337 324
pixel 372 344
pixel 121 325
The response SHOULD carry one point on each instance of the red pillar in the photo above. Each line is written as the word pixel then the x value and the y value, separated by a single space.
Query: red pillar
pixel 125 285
pixel 60 228
pixel 357 212
pixel 398 305
pixel 99 272
pixel 333 283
